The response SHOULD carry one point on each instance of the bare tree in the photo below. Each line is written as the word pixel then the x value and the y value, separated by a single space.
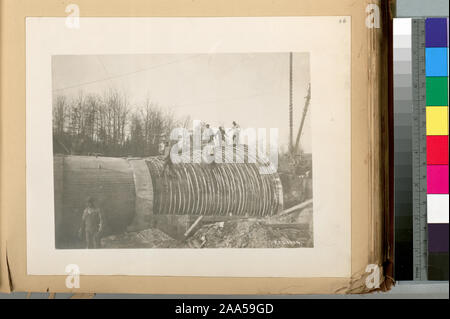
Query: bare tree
pixel 108 125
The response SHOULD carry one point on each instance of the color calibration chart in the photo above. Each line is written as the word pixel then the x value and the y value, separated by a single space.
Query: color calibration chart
pixel 436 71
pixel 421 125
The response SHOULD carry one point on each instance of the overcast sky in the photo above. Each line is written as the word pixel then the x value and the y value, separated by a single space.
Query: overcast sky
pixel 251 89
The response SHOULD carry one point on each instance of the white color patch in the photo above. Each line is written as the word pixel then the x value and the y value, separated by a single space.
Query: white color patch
pixel 437 208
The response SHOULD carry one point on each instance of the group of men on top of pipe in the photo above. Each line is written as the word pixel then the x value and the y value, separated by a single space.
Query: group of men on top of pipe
pixel 218 138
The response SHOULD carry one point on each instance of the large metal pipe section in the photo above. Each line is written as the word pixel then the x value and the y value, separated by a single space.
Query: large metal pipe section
pixel 131 190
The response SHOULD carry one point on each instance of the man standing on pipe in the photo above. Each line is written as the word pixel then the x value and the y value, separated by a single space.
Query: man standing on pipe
pixel 221 134
pixel 167 160
pixel 236 129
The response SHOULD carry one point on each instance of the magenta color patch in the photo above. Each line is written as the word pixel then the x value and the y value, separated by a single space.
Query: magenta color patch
pixel 437 179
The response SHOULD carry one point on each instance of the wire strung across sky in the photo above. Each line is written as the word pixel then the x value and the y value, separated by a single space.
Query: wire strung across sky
pixel 125 74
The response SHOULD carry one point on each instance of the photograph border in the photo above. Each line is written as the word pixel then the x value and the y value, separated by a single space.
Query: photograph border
pixel 13 231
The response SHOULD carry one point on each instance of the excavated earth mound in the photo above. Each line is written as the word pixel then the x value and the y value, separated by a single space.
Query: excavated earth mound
pixel 285 231
pixel 148 238
pixel 292 230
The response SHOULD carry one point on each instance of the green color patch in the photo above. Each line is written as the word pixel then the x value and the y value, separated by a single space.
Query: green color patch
pixel 437 91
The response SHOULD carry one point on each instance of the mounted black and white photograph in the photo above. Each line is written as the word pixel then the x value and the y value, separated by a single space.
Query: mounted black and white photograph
pixel 182 146
pixel 182 151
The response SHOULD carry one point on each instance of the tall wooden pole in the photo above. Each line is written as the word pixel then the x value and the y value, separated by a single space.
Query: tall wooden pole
pixel 305 110
pixel 291 133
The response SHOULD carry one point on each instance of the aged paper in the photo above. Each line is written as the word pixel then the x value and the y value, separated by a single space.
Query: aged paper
pixel 325 39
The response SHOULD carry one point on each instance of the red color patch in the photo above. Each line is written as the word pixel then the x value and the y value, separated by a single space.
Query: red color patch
pixel 437 149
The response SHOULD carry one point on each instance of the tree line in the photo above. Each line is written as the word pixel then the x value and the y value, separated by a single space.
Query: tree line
pixel 108 125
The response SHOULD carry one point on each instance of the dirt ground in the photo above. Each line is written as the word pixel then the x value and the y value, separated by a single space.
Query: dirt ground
pixel 287 231
pixel 148 238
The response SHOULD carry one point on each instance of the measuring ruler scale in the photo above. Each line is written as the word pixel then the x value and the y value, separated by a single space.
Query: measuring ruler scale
pixel 419 151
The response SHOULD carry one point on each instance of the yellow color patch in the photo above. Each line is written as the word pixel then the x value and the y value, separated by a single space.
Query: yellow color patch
pixel 437 120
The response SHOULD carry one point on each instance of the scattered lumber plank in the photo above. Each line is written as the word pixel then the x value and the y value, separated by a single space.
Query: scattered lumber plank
pixel 186 234
pixel 296 207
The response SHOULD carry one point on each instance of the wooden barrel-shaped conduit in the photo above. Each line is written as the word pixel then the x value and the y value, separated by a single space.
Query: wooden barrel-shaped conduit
pixel 108 180
pixel 130 190
pixel 239 186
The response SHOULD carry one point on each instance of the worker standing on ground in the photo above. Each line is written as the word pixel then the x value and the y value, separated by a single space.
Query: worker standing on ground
pixel 91 224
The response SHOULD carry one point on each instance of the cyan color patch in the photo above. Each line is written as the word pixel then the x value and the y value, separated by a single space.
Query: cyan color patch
pixel 436 61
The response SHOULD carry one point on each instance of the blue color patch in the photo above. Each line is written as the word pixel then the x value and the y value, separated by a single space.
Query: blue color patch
pixel 436 62
pixel 436 32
